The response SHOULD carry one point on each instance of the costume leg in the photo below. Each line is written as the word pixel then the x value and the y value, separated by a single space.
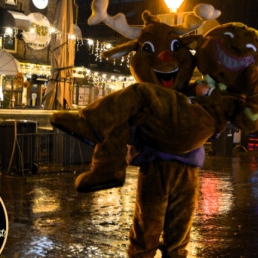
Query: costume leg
pixel 108 165
pixel 180 211
pixel 150 209
pixel 163 207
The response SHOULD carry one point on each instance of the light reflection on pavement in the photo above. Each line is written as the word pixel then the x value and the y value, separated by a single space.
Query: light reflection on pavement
pixel 47 218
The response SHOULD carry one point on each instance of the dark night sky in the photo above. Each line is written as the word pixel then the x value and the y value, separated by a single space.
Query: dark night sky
pixel 245 11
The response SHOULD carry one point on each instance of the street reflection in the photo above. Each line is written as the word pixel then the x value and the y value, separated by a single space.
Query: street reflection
pixel 216 195
pixel 48 218
pixel 226 214
pixel 44 201
pixel 215 199
pixel 39 245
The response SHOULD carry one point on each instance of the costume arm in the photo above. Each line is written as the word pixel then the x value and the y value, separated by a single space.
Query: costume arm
pixel 241 112
pixel 167 119
pixel 246 118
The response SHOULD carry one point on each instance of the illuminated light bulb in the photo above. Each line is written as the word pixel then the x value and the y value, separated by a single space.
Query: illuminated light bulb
pixel 90 42
pixel 32 30
pixel 52 30
pixel 108 46
pixel 173 5
pixel 72 36
pixel 8 31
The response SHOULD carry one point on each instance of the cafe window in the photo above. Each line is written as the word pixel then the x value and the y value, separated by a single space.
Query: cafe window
pixel 12 93
pixel 8 40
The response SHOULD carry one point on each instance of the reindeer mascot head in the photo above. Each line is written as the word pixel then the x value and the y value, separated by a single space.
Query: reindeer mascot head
pixel 166 128
pixel 162 53
pixel 231 50
pixel 167 62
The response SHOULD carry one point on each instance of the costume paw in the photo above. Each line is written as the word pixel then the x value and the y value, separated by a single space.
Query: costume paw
pixel 74 125
pixel 251 115
pixel 92 181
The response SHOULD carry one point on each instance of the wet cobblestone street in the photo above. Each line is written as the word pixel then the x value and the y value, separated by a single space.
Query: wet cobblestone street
pixel 48 218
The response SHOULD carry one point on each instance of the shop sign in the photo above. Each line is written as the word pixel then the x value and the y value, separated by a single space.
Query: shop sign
pixel 39 36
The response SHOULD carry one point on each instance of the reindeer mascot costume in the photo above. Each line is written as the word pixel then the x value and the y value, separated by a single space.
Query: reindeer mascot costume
pixel 164 128
pixel 231 50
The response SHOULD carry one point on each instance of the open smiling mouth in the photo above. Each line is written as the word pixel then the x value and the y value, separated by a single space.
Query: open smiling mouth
pixel 167 79
pixel 231 62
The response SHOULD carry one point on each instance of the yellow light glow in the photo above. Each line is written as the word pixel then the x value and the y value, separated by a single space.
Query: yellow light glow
pixel 173 5
pixel 72 36
pixel 8 31
pixel 90 42
pixel 32 30
pixel 108 46
pixel 52 30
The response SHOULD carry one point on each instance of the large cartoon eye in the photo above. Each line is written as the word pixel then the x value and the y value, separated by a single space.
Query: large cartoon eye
pixel 148 47
pixel 175 45
pixel 253 47
pixel 230 34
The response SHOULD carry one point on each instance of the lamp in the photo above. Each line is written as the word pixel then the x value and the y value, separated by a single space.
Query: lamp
pixel 172 18
pixel 173 5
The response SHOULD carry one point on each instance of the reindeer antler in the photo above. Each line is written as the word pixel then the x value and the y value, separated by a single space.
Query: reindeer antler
pixel 201 13
pixel 117 22
pixel 206 12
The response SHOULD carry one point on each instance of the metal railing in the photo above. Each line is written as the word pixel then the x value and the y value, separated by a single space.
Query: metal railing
pixel 40 150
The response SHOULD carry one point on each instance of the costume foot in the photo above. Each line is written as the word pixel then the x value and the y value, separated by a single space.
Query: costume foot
pixel 92 181
pixel 73 124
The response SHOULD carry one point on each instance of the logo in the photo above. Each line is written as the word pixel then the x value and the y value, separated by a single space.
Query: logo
pixel 4 227
pixel 39 35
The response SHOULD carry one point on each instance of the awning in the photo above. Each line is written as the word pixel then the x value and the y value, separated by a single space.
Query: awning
pixel 14 19
pixel 8 64
pixel 77 31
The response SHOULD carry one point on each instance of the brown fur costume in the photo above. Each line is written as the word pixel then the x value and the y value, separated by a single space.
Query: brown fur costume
pixel 231 50
pixel 168 122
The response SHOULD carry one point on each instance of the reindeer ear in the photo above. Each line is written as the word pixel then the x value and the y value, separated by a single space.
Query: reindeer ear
pixel 121 50
pixel 193 42
pixel 147 17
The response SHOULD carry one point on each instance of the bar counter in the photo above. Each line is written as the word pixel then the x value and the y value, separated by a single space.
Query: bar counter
pixel 38 115
pixel 27 139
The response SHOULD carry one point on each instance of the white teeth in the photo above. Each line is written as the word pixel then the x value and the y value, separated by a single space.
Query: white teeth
pixel 174 71
pixel 232 63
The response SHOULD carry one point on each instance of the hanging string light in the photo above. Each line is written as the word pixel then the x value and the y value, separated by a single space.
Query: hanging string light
pixel 97 47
